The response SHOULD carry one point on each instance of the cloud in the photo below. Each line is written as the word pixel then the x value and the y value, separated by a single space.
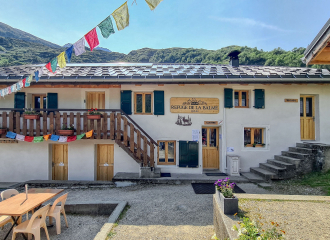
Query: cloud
pixel 249 22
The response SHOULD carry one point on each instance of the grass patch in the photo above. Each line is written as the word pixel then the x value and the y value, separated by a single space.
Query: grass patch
pixel 112 233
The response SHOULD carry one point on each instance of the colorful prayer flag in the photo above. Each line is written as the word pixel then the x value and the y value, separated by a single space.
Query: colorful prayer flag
pixel 49 67
pixel 61 60
pixel 23 82
pixel 89 134
pixel 71 138
pixel 80 136
pixel 79 46
pixel 28 139
pixel 153 3
pixel 41 71
pixel 38 139
pixel 13 88
pixel 53 64
pixel 27 84
pixel 11 135
pixel 18 86
pixel 29 79
pixel 92 39
pixel 36 75
pixel 121 16
pixel 54 138
pixel 68 53
pixel 106 27
pixel 46 137
pixel 63 139
pixel 9 90
pixel 20 137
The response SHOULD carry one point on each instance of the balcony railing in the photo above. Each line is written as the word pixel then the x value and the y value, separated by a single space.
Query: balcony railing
pixel 114 124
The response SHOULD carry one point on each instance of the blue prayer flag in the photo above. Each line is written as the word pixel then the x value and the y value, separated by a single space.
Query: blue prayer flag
pixel 68 53
pixel 11 135
pixel 36 74
pixel 54 138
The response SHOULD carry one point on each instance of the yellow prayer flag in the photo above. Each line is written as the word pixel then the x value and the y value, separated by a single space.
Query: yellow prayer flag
pixel 89 134
pixel 153 3
pixel 121 16
pixel 46 137
pixel 61 60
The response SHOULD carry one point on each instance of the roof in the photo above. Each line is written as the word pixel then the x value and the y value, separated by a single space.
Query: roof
pixel 167 73
pixel 318 51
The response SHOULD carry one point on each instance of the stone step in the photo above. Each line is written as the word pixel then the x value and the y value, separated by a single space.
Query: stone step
pixel 265 174
pixel 304 145
pixel 302 156
pixel 294 161
pixel 301 150
pixel 253 177
pixel 288 166
pixel 272 168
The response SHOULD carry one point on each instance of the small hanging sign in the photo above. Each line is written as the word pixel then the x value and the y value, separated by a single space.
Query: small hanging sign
pixel 211 122
pixel 61 164
pixel 290 100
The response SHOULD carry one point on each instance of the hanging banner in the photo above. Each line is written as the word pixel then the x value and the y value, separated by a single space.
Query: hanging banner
pixel 106 27
pixel 121 16
pixel 153 3
pixel 194 105
pixel 92 39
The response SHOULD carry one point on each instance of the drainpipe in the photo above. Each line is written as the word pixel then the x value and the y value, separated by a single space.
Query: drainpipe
pixel 224 137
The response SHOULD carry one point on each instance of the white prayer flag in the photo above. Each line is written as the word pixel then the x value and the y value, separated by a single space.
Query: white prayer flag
pixel 79 46
pixel 63 139
pixel 20 137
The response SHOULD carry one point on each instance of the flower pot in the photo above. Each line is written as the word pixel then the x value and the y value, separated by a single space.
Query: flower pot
pixel 228 205
pixel 65 132
pixel 3 131
pixel 96 116
pixel 31 116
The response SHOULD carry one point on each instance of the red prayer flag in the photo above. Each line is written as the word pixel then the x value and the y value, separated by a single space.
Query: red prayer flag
pixel 92 39
pixel 24 80
pixel 49 67
pixel 28 139
pixel 71 138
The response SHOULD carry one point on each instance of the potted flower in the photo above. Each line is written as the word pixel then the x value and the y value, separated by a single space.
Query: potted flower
pixel 3 130
pixel 66 130
pixel 93 114
pixel 228 202
pixel 30 113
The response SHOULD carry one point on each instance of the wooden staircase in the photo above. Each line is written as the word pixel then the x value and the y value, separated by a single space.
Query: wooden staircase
pixel 296 161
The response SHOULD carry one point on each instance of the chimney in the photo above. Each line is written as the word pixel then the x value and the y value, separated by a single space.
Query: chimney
pixel 234 60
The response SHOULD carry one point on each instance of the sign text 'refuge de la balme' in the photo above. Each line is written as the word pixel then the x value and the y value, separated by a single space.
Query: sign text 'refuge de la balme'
pixel 194 105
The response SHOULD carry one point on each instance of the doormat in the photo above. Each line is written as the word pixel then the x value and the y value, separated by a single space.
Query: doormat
pixel 216 174
pixel 165 175
pixel 209 188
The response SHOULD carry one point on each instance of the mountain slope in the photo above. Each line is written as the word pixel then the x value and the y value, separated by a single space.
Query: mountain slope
pixel 10 32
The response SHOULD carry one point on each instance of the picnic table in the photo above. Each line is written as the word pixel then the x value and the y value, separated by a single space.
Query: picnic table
pixel 18 205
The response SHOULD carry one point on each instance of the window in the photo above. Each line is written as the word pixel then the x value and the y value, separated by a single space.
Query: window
pixel 241 99
pixel 254 137
pixel 143 103
pixel 166 152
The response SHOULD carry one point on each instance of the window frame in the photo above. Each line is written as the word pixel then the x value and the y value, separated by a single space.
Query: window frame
pixel 143 103
pixel 166 152
pixel 41 96
pixel 240 98
pixel 252 137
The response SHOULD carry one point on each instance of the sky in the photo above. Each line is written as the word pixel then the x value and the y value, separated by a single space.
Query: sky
pixel 208 24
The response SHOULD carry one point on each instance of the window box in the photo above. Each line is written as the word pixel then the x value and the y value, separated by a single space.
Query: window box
pixel 65 132
pixel 254 137
pixel 93 117
pixel 143 103
pixel 31 116
pixel 166 152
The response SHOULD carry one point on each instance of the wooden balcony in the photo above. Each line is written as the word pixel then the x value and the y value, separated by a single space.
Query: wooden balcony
pixel 114 124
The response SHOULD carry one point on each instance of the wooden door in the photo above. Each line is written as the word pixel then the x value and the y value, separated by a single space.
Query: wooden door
pixel 307 117
pixel 95 100
pixel 210 145
pixel 105 160
pixel 60 162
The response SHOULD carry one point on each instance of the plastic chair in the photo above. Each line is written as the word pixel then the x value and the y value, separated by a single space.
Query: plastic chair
pixel 55 212
pixel 33 225
pixel 8 193
pixel 4 219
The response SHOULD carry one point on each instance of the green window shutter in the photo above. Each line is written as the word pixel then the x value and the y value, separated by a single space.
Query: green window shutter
pixel 52 101
pixel 188 154
pixel 19 101
pixel 159 103
pixel 126 101
pixel 228 98
pixel 259 98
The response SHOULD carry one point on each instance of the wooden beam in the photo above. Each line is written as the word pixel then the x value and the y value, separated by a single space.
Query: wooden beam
pixel 181 84
pixel 287 83
pixel 267 84
pixel 138 85
pixel 244 84
pixel 161 85
pixel 201 84
pixel 223 84
pixel 74 86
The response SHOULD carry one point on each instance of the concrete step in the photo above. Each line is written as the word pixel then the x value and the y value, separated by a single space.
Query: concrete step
pixel 272 168
pixel 301 150
pixel 294 161
pixel 302 156
pixel 288 166
pixel 265 174
pixel 303 145
pixel 253 177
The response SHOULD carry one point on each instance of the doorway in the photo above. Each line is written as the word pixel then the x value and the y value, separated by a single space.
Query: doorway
pixel 60 162
pixel 210 147
pixel 105 162
pixel 95 100
pixel 307 117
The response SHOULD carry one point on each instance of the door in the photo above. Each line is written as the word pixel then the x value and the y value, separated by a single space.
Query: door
pixel 95 100
pixel 60 162
pixel 105 162
pixel 39 101
pixel 210 146
pixel 307 117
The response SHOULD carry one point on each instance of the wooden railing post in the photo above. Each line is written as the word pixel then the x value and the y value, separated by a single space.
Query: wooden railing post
pixel 11 121
pixel 65 120
pixel 112 126
pixel 145 151
pixel 78 123
pixel 18 122
pixel 51 123
pixel 138 151
pixel 131 137
pixel 31 127
pixel 85 122
pixel 38 127
pixel 119 126
pixel 152 154
pixel 98 128
pixel 4 119
pixel 44 123
pixel 58 122
pixel 105 126
pixel 125 132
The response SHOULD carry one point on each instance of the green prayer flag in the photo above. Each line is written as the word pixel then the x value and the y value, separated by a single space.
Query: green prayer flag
pixel 80 136
pixel 38 139
pixel 106 27
pixel 53 63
